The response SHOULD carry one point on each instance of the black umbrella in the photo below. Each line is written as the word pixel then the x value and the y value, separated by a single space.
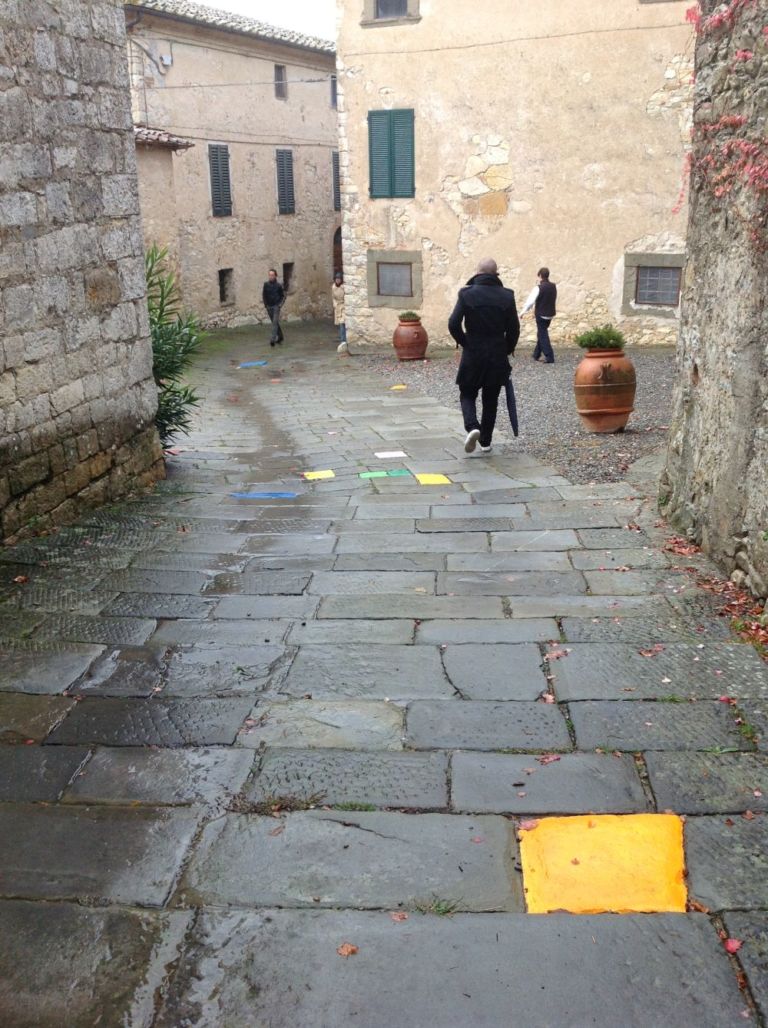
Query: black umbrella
pixel 512 406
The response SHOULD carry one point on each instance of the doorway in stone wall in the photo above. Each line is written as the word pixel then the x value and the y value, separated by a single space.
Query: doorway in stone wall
pixel 338 253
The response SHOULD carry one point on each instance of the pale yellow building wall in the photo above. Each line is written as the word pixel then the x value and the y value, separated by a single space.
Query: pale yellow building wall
pixel 546 133
pixel 211 86
pixel 156 179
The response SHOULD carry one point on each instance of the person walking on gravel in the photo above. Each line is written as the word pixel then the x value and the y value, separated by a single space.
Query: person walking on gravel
pixel 543 299
pixel 273 296
pixel 485 325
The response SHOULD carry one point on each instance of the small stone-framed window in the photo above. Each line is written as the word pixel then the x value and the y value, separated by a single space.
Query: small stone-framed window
pixel 334 92
pixel 659 287
pixel 652 283
pixel 288 277
pixel 226 287
pixel 388 12
pixel 394 278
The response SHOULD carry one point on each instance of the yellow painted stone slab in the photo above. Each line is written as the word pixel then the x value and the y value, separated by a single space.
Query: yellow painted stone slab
pixel 313 476
pixel 399 387
pixel 433 480
pixel 594 864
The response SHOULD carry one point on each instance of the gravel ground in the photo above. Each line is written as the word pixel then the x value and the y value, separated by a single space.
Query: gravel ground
pixel 550 428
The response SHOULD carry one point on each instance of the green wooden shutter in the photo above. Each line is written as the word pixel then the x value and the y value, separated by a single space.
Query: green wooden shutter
pixel 391 153
pixel 221 186
pixel 286 200
pixel 403 170
pixel 336 181
pixel 379 148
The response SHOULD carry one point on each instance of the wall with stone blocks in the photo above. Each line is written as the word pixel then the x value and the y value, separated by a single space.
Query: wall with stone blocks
pixel 77 398
pixel 716 482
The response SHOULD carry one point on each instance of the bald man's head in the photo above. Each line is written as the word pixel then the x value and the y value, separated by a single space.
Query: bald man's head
pixel 487 267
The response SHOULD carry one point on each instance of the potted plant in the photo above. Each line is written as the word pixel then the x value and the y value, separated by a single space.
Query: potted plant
pixel 605 382
pixel 410 338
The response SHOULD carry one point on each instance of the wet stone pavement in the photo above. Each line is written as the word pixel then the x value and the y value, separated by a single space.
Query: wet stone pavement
pixel 253 722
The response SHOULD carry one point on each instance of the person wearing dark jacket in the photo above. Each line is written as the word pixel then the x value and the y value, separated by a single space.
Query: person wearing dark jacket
pixel 543 299
pixel 273 296
pixel 485 325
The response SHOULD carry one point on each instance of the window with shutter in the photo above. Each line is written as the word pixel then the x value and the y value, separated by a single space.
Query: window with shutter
pixel 221 186
pixel 391 151
pixel 286 197
pixel 336 181
pixel 281 82
pixel 334 92
pixel 286 201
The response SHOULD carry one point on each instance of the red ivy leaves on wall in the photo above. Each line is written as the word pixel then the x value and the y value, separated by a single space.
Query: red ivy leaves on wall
pixel 725 18
pixel 725 166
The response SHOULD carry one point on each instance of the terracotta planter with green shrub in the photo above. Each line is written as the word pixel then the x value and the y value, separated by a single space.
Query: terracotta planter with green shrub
pixel 410 338
pixel 605 383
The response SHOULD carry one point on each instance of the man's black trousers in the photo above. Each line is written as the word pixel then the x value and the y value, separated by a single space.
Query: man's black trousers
pixel 490 396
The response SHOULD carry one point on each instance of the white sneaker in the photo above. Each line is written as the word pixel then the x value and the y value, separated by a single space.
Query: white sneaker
pixel 486 449
pixel 471 441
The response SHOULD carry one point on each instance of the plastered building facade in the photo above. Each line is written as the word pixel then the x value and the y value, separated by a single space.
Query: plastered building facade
pixel 222 97
pixel 543 134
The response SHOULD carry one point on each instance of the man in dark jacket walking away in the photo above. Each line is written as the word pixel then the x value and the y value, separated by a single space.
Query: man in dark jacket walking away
pixel 273 296
pixel 485 325
pixel 543 299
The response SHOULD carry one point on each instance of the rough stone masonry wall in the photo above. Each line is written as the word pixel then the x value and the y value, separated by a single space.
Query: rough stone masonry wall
pixel 77 398
pixel 716 482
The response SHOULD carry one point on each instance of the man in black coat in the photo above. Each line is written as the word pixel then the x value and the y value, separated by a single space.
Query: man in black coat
pixel 488 338
pixel 273 296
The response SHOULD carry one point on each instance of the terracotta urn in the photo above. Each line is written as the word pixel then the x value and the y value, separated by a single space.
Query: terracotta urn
pixel 410 339
pixel 604 386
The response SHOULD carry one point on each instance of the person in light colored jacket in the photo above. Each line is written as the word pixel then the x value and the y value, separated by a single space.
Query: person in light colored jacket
pixel 337 292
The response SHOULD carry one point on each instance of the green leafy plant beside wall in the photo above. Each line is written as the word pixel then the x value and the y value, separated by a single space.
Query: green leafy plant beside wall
pixel 176 338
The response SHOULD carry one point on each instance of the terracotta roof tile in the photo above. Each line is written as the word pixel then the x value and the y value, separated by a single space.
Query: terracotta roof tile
pixel 230 22
pixel 157 137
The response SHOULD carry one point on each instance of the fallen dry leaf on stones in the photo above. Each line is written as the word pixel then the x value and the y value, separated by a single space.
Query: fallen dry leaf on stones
pixel 277 831
pixel 676 544
pixel 347 949
pixel 21 579
pixel 548 758
pixel 528 826
pixel 398 916
pixel 653 651
pixel 699 908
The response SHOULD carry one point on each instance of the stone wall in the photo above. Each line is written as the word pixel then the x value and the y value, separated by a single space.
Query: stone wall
pixel 568 156
pixel 77 399
pixel 716 482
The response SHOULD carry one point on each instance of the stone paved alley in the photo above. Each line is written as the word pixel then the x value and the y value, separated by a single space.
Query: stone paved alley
pixel 245 736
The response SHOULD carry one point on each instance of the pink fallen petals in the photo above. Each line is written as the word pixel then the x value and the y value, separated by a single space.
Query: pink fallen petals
pixel 346 949
pixel 548 758
pixel 528 826
pixel 398 916
pixel 732 945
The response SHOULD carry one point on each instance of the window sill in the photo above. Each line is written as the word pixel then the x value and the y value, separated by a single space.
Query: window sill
pixel 406 19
